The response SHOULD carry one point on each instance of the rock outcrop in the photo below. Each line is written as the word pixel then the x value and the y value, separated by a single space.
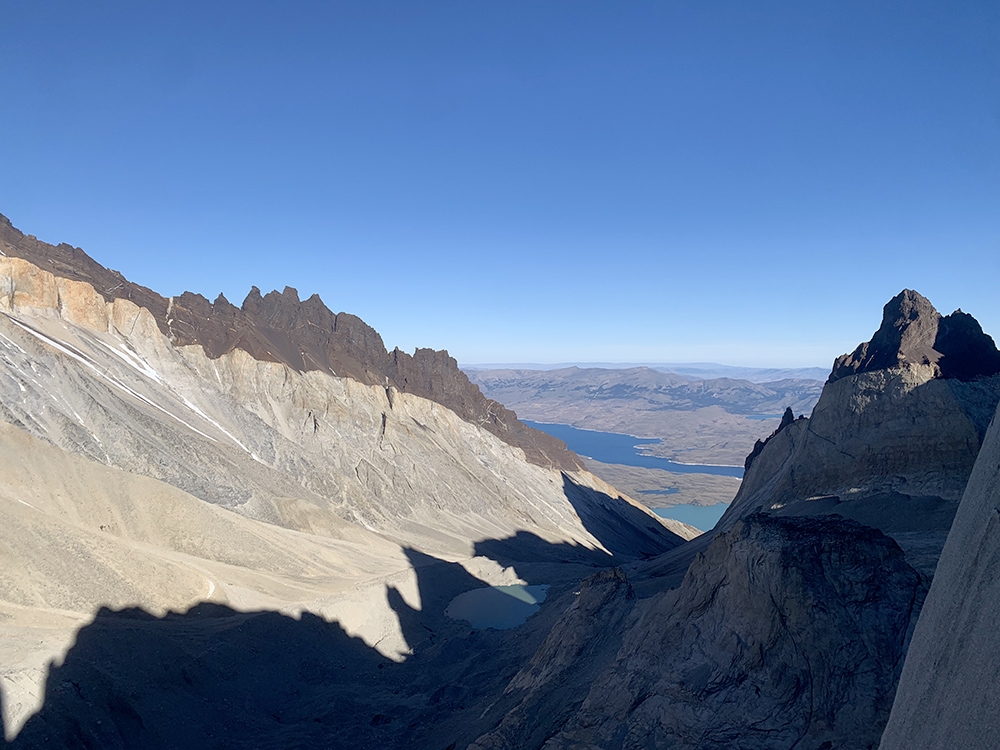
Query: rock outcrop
pixel 546 693
pixel 890 445
pixel 786 419
pixel 305 335
pixel 894 436
pixel 786 633
pixel 947 695
pixel 914 333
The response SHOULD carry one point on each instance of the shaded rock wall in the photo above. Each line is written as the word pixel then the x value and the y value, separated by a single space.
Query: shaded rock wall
pixel 947 695
pixel 786 633
pixel 894 436
pixel 913 332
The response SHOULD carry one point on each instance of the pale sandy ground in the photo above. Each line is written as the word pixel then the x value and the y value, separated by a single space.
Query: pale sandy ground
pixel 78 536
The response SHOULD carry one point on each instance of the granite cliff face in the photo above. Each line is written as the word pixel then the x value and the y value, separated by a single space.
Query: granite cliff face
pixel 305 335
pixel 786 633
pixel 947 694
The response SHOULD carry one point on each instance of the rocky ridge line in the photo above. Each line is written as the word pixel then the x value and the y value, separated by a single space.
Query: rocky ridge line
pixel 304 335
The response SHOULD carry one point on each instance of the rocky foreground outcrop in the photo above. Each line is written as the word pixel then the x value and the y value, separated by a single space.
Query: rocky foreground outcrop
pixel 947 695
pixel 787 632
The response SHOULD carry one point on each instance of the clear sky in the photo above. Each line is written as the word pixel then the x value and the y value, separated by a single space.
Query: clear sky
pixel 739 182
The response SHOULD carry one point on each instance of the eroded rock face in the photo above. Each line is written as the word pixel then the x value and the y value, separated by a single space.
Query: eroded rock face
pixel 305 335
pixel 788 632
pixel 786 419
pixel 548 690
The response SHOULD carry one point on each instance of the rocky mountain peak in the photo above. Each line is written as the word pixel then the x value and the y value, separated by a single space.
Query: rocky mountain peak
pixel 913 332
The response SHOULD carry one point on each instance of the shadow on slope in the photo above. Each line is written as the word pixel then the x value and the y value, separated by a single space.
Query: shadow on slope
pixel 214 677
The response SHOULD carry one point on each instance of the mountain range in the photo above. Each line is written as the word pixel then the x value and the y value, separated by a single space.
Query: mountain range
pixel 245 527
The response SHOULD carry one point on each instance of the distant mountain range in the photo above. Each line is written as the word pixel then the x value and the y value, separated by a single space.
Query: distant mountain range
pixel 694 370
pixel 715 420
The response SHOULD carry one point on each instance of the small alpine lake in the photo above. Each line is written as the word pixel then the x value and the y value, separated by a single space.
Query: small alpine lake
pixel 498 607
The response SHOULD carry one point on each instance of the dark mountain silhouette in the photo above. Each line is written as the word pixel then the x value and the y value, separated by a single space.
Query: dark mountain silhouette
pixel 913 332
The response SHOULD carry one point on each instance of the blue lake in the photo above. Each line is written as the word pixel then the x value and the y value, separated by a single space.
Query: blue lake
pixel 499 607
pixel 613 448
pixel 702 517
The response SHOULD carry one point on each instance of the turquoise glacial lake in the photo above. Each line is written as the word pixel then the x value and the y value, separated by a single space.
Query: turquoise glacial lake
pixel 615 448
pixel 498 607
pixel 702 517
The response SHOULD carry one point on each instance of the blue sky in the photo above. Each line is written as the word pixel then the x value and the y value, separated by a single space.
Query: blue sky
pixel 746 183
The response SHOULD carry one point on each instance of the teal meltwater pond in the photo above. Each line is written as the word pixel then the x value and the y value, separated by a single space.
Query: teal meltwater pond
pixel 499 607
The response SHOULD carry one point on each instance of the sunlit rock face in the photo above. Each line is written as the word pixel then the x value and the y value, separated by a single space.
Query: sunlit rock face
pixel 894 436
pixel 276 327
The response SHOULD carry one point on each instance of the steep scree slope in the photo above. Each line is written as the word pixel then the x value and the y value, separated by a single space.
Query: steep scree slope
pixel 263 487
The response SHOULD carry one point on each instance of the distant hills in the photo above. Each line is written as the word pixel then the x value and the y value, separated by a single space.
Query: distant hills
pixel 707 420
pixel 694 370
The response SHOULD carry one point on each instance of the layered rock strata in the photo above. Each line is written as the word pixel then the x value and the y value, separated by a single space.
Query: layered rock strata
pixel 142 472
pixel 305 335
